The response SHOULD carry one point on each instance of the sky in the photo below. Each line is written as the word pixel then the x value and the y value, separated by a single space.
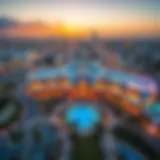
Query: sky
pixel 115 15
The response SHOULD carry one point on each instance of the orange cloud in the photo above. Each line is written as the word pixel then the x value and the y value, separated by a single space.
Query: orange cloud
pixel 41 30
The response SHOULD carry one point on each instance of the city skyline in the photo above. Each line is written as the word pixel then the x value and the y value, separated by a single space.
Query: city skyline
pixel 78 18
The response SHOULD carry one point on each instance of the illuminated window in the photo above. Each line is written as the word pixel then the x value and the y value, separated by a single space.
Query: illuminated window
pixel 99 84
pixel 37 85
pixel 133 96
pixel 52 83
pixel 65 83
pixel 117 89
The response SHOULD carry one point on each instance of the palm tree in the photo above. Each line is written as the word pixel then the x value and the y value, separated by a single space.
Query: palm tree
pixel 10 111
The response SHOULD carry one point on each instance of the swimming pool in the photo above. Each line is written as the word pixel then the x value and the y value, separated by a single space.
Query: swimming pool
pixel 84 117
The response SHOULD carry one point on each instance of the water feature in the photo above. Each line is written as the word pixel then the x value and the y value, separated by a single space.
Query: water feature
pixel 84 117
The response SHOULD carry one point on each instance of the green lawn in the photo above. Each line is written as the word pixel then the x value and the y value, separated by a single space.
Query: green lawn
pixel 86 147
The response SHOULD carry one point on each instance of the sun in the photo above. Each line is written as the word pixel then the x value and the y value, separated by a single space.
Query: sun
pixel 70 27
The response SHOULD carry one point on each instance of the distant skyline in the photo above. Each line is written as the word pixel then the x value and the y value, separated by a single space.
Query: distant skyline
pixel 109 17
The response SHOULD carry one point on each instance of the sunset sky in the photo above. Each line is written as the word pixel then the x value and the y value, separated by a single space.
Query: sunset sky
pixel 79 17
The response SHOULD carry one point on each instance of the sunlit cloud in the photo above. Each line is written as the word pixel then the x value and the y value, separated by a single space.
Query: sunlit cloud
pixel 81 16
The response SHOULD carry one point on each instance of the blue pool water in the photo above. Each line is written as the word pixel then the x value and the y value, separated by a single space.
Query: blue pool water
pixel 129 152
pixel 83 116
